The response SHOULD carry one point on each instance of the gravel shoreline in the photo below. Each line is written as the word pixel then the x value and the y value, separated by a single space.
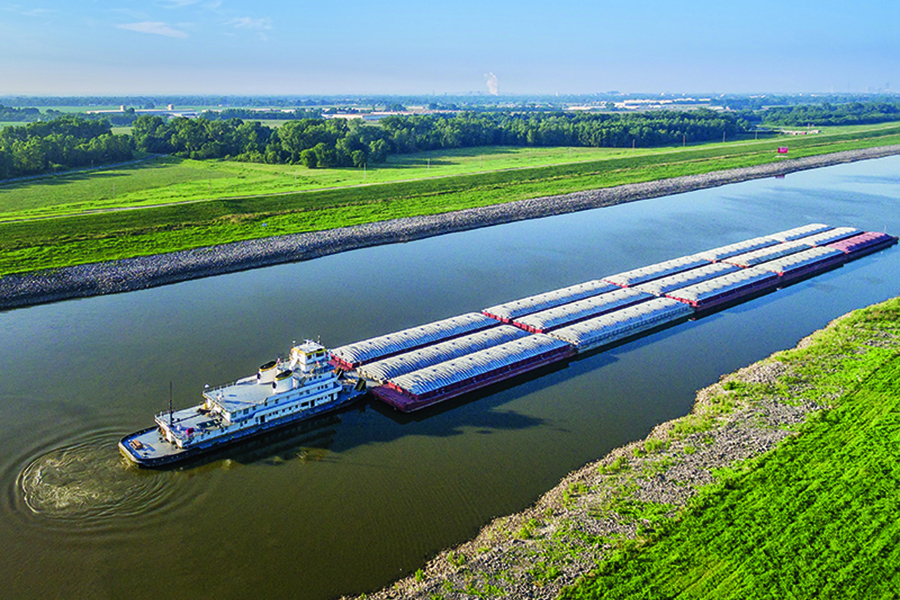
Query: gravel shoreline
pixel 162 269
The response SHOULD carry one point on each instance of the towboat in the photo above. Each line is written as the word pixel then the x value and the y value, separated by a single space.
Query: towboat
pixel 282 392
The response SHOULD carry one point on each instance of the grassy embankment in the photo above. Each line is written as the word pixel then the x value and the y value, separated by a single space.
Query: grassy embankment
pixel 817 517
pixel 218 202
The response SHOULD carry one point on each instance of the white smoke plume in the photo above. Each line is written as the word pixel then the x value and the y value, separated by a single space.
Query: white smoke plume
pixel 492 83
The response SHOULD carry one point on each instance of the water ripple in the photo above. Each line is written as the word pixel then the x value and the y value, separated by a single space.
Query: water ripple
pixel 89 484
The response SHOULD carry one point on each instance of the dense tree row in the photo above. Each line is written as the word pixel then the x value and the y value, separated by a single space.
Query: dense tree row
pixel 10 113
pixel 853 113
pixel 63 143
pixel 653 128
pixel 341 143
pixel 312 142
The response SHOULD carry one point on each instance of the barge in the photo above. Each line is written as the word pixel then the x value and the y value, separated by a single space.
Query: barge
pixel 668 267
pixel 620 325
pixel 400 364
pixel 508 311
pixel 465 374
pixel 800 232
pixel 428 364
pixel 353 355
pixel 828 237
pixel 660 287
pixel 717 254
pixel 726 289
pixel 757 257
pixel 864 243
pixel 805 263
pixel 603 312
pixel 546 320
pixel 280 394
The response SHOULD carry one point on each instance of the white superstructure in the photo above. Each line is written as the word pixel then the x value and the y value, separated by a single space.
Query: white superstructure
pixel 282 391
pixel 278 391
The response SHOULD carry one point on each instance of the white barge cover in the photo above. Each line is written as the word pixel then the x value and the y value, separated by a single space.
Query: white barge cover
pixel 617 325
pixel 660 287
pixel 749 259
pixel 353 355
pixel 583 309
pixel 744 281
pixel 799 232
pixel 394 366
pixel 443 377
pixel 508 311
pixel 807 258
pixel 827 237
pixel 676 265
pixel 717 254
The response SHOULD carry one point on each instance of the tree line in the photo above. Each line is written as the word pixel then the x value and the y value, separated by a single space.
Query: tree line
pixel 71 141
pixel 26 114
pixel 343 143
pixel 827 114
pixel 63 143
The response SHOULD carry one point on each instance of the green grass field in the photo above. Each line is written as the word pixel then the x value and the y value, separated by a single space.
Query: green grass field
pixel 72 219
pixel 818 517
pixel 171 180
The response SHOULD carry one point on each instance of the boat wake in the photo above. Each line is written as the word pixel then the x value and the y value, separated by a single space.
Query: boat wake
pixel 94 484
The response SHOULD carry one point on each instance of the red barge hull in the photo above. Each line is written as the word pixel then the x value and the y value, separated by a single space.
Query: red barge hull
pixel 406 402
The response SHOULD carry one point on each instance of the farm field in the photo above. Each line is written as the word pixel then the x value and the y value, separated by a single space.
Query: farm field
pixel 814 518
pixel 72 219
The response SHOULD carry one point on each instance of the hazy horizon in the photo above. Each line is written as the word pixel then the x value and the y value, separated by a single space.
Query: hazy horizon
pixel 272 47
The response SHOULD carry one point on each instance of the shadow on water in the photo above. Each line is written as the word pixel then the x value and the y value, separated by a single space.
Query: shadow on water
pixel 274 447
pixel 307 440
pixel 302 440
pixel 477 410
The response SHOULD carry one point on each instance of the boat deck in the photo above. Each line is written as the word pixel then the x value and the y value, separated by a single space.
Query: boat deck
pixel 149 447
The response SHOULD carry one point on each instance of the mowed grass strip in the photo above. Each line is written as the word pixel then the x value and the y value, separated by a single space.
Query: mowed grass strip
pixel 818 517
pixel 34 244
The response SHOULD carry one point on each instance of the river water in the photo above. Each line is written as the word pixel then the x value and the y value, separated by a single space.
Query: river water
pixel 351 502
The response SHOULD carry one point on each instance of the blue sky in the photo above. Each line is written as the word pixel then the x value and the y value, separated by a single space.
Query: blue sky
pixel 423 47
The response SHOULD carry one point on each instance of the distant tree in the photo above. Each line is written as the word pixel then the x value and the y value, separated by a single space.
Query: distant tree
pixel 309 158
pixel 378 151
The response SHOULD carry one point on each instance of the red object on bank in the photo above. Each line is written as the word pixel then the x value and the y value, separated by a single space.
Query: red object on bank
pixel 782 151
